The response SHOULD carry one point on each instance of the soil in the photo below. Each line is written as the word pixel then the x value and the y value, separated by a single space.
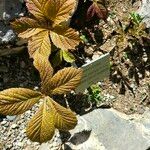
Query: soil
pixel 137 97
pixel 17 71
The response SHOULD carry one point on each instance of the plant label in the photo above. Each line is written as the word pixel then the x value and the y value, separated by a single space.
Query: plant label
pixel 94 72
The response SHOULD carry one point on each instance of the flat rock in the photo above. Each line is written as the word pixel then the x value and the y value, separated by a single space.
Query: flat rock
pixel 108 129
pixel 144 11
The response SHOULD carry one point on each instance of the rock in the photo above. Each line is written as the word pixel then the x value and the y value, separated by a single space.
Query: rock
pixel 20 144
pixel 11 118
pixel 10 9
pixel 9 36
pixel 54 144
pixel 22 64
pixel 3 122
pixel 96 55
pixel 89 51
pixel 14 126
pixel 92 143
pixel 144 11
pixel 111 130
pixel 109 45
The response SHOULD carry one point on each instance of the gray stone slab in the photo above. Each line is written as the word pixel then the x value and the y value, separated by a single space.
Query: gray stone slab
pixel 113 130
pixel 144 11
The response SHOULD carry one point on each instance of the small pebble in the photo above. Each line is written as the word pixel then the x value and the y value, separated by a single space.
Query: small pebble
pixel 11 118
pixel 14 126
pixel 20 144
pixel 3 122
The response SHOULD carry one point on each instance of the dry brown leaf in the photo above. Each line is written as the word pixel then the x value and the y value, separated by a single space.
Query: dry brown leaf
pixel 36 7
pixel 64 118
pixel 50 115
pixel 47 13
pixel 41 126
pixel 60 10
pixel 97 9
pixel 24 23
pixel 64 37
pixel 16 101
pixel 65 80
pixel 45 69
pixel 30 33
pixel 40 44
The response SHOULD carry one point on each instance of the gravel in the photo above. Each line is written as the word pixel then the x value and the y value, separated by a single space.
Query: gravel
pixel 13 133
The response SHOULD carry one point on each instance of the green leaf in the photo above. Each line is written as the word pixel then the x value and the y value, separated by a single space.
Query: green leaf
pixel 68 57
pixel 136 18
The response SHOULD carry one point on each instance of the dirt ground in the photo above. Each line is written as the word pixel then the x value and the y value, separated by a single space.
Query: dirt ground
pixel 137 100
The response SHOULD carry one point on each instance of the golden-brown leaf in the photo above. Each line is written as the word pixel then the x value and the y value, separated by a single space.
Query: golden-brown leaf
pixel 60 10
pixel 65 80
pixel 64 118
pixel 36 7
pixel 41 126
pixel 40 44
pixel 16 101
pixel 30 32
pixel 64 37
pixel 24 23
pixel 45 69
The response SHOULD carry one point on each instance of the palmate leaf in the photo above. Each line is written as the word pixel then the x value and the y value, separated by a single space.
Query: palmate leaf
pixel 40 44
pixel 30 33
pixel 60 10
pixel 41 127
pixel 97 9
pixel 62 82
pixel 68 57
pixel 65 80
pixel 64 37
pixel 64 118
pixel 47 14
pixel 37 8
pixel 16 101
pixel 28 27
pixel 24 23
pixel 50 115
pixel 45 69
